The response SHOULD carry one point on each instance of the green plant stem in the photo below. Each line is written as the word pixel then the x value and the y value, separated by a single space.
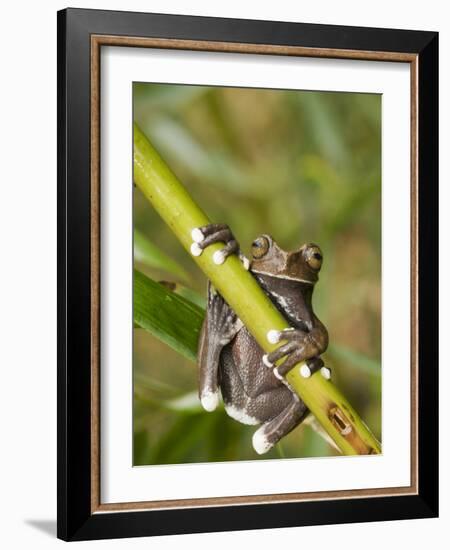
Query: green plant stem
pixel 244 295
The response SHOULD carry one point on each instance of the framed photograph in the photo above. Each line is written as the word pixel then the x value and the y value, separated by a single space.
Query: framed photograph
pixel 247 256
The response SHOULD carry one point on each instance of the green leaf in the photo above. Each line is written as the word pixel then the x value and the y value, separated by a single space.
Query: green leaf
pixel 168 316
pixel 355 359
pixel 150 255
pixel 191 295
pixel 187 403
pixel 149 100
pixel 141 451
pixel 186 292
pixel 178 443
pixel 213 167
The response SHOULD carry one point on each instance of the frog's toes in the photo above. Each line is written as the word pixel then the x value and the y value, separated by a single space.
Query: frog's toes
pixel 274 336
pixel 260 442
pixel 213 233
pixel 209 400
pixel 326 373
pixel 245 261
pixel 197 235
pixel 219 257
pixel 277 374
pixel 195 249
pixel 275 370
pixel 305 371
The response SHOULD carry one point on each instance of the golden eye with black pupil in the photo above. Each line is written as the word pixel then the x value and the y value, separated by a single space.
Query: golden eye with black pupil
pixel 314 258
pixel 260 247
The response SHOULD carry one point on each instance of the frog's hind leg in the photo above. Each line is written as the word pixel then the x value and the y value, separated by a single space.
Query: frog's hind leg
pixel 220 326
pixel 273 430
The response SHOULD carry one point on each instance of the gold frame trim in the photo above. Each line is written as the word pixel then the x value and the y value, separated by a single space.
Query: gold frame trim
pixel 97 41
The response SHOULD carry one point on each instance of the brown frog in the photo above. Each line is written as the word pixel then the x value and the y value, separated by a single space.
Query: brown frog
pixel 253 388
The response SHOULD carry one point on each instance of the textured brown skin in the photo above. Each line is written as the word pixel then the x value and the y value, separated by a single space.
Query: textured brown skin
pixel 244 380
pixel 231 358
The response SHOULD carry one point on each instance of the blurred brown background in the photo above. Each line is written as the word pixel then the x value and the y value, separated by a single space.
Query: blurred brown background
pixel 302 166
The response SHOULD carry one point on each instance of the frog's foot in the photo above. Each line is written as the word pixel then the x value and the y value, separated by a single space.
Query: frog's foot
pixel 313 365
pixel 216 233
pixel 209 400
pixel 272 431
pixel 326 373
pixel 307 369
pixel 300 346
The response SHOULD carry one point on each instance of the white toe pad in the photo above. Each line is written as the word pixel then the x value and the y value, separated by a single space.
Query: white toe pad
pixel 273 336
pixel 305 371
pixel 197 235
pixel 196 250
pixel 260 443
pixel 210 400
pixel 325 372
pixel 218 257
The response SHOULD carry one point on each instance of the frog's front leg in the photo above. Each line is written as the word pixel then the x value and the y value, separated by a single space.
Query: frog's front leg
pixel 216 233
pixel 301 345
pixel 220 326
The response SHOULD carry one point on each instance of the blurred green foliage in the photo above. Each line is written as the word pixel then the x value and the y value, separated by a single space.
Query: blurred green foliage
pixel 301 166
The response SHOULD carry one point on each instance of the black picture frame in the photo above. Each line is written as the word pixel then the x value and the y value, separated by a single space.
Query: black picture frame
pixel 76 519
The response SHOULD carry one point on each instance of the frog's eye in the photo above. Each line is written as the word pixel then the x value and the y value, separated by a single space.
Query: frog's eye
pixel 314 257
pixel 260 247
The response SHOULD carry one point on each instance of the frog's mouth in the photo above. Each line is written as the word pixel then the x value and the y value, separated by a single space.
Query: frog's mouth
pixel 285 265
pixel 281 275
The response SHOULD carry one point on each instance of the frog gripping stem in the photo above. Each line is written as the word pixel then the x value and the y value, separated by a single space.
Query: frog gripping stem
pixel 244 296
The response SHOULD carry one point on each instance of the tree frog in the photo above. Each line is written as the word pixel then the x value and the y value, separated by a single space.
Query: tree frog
pixel 254 390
